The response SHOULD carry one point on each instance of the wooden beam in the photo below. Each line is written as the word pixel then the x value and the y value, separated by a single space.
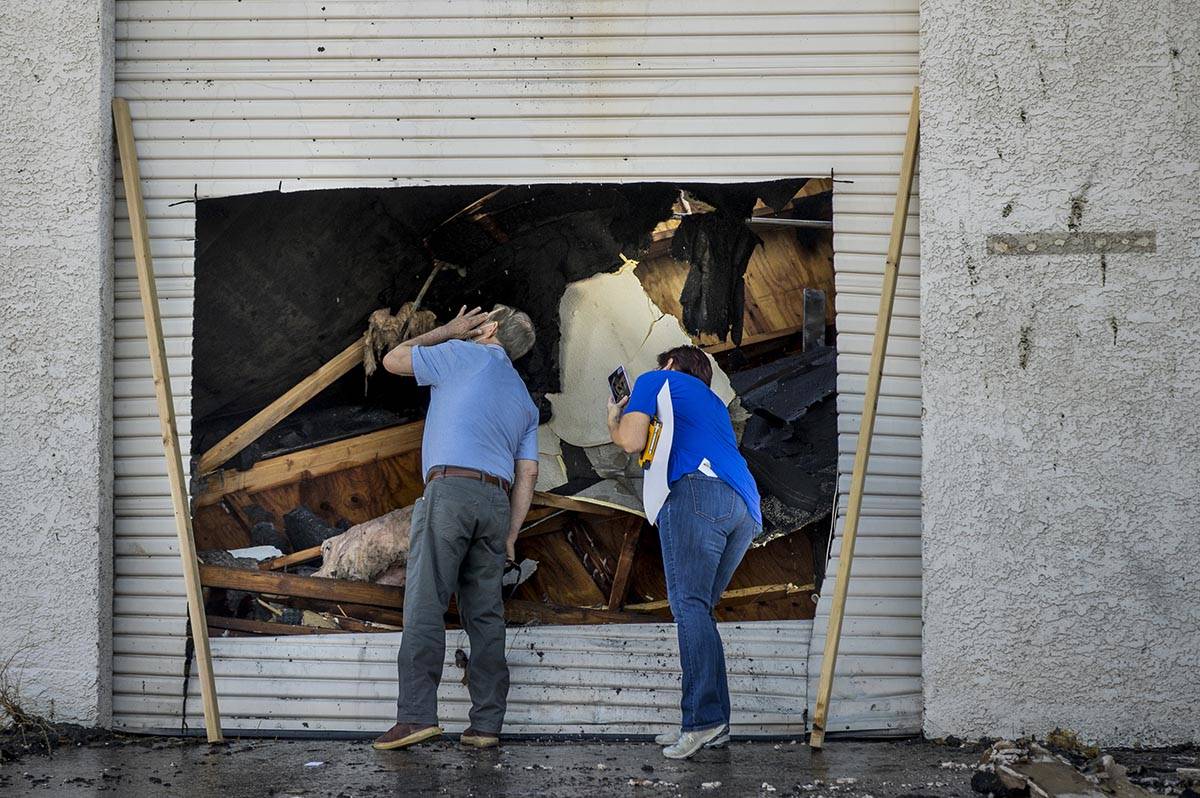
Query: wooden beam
pixel 546 526
pixel 266 627
pixel 316 587
pixel 238 504
pixel 132 181
pixel 595 560
pixel 281 408
pixel 866 429
pixel 543 499
pixel 515 610
pixel 624 569
pixel 349 624
pixel 523 612
pixel 278 563
pixel 536 514
pixel 392 619
pixel 315 462
pixel 735 597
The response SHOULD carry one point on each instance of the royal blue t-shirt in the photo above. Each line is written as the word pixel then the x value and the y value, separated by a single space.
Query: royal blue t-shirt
pixel 480 414
pixel 702 431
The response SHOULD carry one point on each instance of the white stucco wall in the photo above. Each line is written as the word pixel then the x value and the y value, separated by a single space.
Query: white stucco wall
pixel 55 355
pixel 1061 470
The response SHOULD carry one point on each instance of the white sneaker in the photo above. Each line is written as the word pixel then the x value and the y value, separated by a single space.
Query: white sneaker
pixel 691 742
pixel 671 737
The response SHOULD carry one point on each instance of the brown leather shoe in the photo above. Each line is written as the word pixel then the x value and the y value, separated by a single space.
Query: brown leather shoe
pixel 478 739
pixel 403 735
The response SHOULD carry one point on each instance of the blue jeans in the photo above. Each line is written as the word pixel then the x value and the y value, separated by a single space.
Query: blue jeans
pixel 705 530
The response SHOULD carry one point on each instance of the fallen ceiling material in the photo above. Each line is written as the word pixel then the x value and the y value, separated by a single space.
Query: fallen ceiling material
pixel 373 551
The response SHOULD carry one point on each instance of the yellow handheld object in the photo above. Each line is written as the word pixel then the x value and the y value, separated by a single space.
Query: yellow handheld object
pixel 652 436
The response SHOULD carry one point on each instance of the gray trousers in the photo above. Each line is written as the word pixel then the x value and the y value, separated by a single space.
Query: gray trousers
pixel 459 531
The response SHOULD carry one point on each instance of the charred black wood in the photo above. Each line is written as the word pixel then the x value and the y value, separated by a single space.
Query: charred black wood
pixel 305 529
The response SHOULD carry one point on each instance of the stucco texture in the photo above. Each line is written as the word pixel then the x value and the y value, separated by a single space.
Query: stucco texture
pixel 1061 470
pixel 55 354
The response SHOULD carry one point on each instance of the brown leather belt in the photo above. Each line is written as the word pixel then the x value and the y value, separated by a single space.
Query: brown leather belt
pixel 437 472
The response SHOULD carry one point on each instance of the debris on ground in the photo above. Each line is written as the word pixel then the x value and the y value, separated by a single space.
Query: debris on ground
pixel 564 767
pixel 43 737
pixel 1009 769
pixel 1067 742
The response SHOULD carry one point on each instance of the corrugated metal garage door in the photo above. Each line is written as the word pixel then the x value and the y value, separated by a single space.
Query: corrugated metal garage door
pixel 236 96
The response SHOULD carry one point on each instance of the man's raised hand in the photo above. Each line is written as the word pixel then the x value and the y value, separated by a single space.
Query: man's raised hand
pixel 466 324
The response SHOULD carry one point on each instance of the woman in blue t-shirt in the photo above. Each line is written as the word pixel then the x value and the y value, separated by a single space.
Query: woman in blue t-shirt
pixel 710 517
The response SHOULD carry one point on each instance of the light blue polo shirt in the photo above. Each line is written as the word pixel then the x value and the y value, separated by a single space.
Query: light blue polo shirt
pixel 480 414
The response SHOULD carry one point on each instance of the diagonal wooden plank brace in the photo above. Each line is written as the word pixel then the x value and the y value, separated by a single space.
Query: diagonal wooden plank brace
pixel 281 408
pixel 891 270
pixel 131 176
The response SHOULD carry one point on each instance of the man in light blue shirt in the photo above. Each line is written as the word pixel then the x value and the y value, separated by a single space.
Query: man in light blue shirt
pixel 479 456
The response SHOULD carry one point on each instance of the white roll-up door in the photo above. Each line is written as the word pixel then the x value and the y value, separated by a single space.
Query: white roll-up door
pixel 237 96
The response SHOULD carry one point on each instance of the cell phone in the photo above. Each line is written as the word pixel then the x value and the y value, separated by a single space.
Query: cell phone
pixel 618 384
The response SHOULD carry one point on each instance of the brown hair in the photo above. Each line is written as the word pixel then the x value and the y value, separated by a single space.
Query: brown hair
pixel 689 360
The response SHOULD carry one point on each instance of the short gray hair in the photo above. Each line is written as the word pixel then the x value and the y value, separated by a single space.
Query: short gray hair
pixel 514 330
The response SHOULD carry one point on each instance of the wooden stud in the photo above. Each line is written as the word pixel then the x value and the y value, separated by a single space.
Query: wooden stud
pixel 315 587
pixel 266 627
pixel 236 504
pixel 548 525
pixel 281 408
pixel 348 624
pixel 735 597
pixel 858 477
pixel 131 177
pixel 620 582
pixel 542 499
pixel 278 563
pixel 318 461
pixel 595 561
pixel 389 618
pixel 520 611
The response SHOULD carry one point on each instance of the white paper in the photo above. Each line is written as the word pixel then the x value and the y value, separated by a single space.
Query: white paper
pixel 655 486
pixel 257 552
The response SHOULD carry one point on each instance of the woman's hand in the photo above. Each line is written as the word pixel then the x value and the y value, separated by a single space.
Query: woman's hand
pixel 627 430
pixel 615 410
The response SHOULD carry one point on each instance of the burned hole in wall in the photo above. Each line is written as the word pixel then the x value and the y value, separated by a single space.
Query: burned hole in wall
pixel 303 522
